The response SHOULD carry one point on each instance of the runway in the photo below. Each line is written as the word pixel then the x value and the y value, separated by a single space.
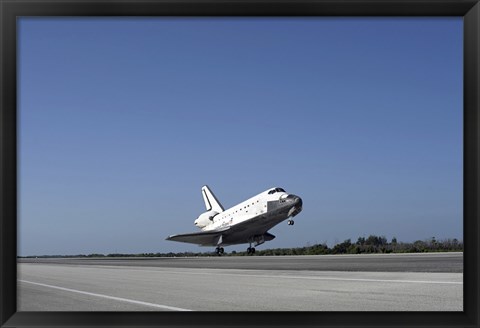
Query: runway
pixel 393 282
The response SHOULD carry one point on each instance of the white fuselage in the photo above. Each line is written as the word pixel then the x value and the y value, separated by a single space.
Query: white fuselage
pixel 244 211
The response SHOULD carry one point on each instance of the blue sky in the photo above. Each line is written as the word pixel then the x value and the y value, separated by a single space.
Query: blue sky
pixel 122 120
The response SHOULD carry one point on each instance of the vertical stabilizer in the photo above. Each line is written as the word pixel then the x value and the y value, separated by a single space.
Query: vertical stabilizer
pixel 211 202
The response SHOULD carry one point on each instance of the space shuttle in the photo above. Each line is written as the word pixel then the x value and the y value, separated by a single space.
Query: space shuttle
pixel 245 223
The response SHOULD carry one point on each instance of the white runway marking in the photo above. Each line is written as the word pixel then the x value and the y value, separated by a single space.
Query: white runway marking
pixel 165 307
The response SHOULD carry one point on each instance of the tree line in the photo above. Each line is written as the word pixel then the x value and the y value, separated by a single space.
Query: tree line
pixel 372 244
pixel 369 245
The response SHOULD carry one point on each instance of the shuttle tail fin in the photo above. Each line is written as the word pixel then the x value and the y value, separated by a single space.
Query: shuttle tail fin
pixel 211 202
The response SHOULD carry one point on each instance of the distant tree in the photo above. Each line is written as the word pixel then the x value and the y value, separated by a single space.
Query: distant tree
pixel 418 246
pixel 318 249
pixel 342 248
pixel 361 241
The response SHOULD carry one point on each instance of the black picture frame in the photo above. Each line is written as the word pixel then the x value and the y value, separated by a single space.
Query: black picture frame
pixel 10 10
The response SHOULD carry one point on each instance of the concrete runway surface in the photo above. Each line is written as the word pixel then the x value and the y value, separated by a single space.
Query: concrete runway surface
pixel 393 282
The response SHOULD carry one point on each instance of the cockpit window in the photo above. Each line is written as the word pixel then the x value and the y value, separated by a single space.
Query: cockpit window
pixel 272 191
pixel 276 190
pixel 279 190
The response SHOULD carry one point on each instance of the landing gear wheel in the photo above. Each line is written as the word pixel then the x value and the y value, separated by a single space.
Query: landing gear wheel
pixel 290 222
pixel 250 250
pixel 219 250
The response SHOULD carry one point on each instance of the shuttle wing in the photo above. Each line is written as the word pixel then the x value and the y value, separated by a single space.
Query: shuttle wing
pixel 206 238
pixel 254 226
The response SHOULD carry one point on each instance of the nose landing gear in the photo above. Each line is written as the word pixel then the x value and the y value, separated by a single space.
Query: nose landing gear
pixel 290 222
pixel 251 250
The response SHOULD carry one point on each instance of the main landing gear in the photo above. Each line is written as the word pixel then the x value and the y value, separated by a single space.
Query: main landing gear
pixel 290 222
pixel 219 250
pixel 250 249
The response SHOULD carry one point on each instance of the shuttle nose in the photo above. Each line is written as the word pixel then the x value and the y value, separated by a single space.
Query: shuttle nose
pixel 297 205
pixel 296 200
